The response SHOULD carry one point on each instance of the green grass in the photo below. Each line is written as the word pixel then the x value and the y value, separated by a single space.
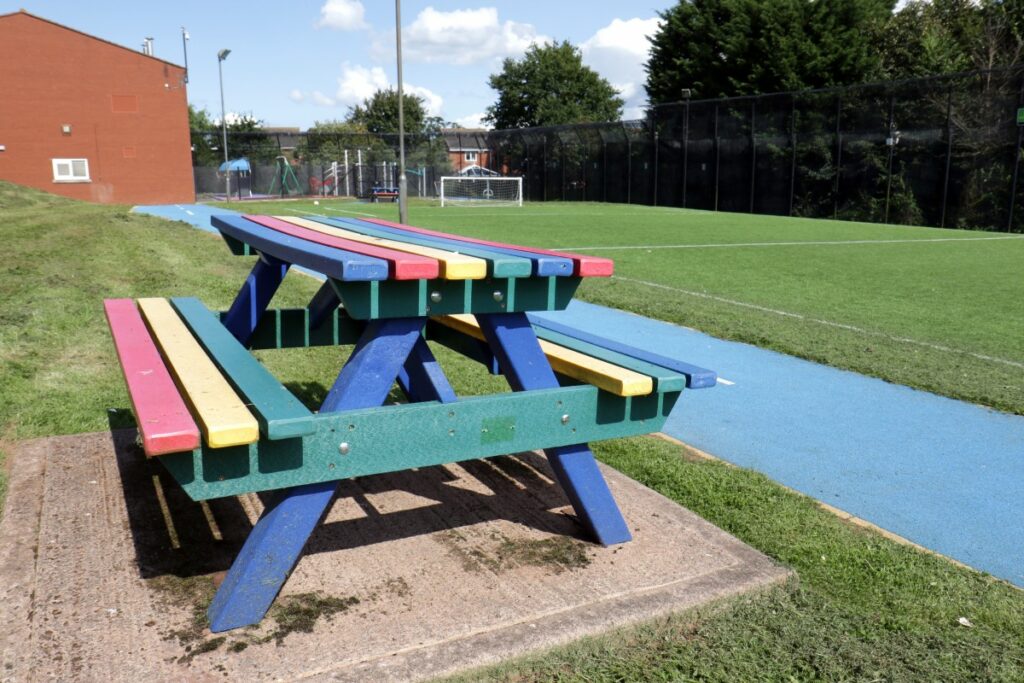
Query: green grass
pixel 944 316
pixel 862 608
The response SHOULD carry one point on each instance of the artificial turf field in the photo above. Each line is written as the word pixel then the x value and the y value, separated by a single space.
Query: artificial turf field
pixel 861 608
pixel 940 310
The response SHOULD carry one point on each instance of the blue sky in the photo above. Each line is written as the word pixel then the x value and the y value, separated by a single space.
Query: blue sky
pixel 296 62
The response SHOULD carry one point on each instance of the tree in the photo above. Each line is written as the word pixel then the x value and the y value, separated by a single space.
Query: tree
pixel 245 138
pixel 379 113
pixel 720 48
pixel 551 86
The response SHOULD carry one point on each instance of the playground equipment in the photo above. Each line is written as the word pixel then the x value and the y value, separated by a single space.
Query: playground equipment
pixel 284 180
pixel 241 172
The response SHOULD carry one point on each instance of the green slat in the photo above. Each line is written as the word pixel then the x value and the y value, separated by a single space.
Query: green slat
pixel 664 379
pixel 279 413
pixel 396 438
pixel 397 299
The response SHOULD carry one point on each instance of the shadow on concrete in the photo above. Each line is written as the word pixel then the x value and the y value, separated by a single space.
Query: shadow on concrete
pixel 172 534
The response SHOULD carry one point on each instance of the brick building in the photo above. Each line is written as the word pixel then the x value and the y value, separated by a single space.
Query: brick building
pixel 467 147
pixel 88 119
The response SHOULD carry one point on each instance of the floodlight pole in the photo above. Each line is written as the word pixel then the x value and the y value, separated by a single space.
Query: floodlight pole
pixel 221 56
pixel 403 186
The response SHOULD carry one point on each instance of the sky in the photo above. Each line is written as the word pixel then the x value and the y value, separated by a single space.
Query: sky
pixel 294 62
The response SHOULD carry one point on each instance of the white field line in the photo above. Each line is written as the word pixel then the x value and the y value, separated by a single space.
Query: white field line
pixel 358 213
pixel 828 323
pixel 791 244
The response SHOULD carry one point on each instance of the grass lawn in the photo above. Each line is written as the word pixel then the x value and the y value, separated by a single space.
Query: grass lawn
pixel 862 608
pixel 940 310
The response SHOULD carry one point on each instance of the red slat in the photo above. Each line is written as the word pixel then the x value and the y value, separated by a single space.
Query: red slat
pixel 583 266
pixel 402 266
pixel 164 421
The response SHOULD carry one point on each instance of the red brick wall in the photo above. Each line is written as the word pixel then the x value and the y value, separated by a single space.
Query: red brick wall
pixel 128 115
pixel 458 160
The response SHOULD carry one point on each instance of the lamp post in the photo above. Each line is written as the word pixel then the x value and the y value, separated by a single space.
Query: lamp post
pixel 221 56
pixel 403 186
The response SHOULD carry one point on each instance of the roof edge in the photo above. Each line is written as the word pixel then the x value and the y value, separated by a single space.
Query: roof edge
pixel 89 35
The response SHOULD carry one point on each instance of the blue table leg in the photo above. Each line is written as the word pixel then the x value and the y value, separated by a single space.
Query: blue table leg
pixel 253 298
pixel 323 303
pixel 520 357
pixel 422 379
pixel 276 542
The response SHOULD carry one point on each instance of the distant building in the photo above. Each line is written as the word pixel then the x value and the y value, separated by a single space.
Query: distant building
pixel 88 119
pixel 467 147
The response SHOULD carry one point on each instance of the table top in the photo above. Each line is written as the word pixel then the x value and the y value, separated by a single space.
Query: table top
pixel 382 269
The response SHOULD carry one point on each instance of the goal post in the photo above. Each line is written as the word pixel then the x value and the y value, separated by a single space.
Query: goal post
pixel 481 191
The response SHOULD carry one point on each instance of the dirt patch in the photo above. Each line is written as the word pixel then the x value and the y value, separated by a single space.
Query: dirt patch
pixel 500 553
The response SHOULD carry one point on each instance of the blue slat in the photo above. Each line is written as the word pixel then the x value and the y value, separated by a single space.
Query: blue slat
pixel 696 377
pixel 336 263
pixel 524 267
pixel 544 265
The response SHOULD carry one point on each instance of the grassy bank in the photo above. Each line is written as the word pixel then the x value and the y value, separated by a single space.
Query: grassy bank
pixel 862 607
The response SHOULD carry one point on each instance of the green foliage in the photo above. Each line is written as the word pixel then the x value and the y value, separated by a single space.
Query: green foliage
pixel 245 139
pixel 551 86
pixel 379 113
pixel 720 48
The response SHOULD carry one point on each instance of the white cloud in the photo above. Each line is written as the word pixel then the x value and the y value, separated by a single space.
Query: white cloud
pixel 296 95
pixel 358 83
pixel 344 15
pixel 321 99
pixel 463 36
pixel 472 120
pixel 618 52
pixel 431 100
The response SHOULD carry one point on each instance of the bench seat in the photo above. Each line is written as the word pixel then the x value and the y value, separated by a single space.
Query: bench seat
pixel 187 375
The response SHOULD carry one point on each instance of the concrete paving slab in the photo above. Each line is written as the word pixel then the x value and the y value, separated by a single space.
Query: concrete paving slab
pixel 106 568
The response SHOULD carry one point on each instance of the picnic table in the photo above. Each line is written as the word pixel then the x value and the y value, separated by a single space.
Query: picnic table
pixel 222 425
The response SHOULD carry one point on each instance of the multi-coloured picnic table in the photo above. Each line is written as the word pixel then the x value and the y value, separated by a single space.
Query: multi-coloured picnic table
pixel 222 425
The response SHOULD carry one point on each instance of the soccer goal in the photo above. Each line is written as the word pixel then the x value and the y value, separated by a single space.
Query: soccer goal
pixel 481 191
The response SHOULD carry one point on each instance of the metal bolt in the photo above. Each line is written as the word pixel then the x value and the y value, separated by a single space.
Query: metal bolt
pixel 435 297
pixel 565 419
pixel 498 296
pixel 343 448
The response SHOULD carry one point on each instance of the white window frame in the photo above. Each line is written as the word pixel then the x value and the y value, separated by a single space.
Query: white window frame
pixel 70 177
pixel 470 156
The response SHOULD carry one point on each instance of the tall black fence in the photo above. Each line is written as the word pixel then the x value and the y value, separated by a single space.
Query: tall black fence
pixel 941 151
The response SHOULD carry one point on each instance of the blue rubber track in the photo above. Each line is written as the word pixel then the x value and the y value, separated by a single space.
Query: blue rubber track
pixel 945 474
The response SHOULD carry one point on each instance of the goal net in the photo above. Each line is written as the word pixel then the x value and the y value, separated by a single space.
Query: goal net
pixel 481 191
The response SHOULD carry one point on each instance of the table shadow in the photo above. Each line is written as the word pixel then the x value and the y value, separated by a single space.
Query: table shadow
pixel 174 535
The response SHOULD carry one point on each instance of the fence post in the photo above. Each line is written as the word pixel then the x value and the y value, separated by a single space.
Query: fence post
pixel 1016 160
pixel 544 169
pixel 655 168
pixel 792 144
pixel 717 157
pixel 891 143
pixel 753 152
pixel 949 154
pixel 686 147
pixel 604 169
pixel 561 144
pixel 839 155
pixel 629 166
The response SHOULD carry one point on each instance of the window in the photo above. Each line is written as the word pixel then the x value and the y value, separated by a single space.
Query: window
pixel 470 156
pixel 70 170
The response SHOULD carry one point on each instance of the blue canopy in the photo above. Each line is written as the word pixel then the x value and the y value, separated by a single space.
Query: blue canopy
pixel 235 165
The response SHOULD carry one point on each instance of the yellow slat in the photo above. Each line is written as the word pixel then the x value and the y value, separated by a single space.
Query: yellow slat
pixel 601 374
pixel 453 266
pixel 221 415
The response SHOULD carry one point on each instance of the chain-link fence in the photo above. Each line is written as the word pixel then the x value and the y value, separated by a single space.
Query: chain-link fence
pixel 941 151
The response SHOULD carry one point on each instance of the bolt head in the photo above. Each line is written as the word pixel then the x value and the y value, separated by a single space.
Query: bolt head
pixel 498 296
pixel 343 448
pixel 435 297
pixel 565 419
